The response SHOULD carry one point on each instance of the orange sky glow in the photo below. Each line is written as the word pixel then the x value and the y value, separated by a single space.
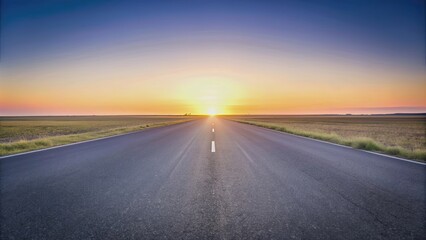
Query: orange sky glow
pixel 232 85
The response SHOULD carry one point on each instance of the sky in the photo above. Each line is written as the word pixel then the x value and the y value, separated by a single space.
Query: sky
pixel 226 57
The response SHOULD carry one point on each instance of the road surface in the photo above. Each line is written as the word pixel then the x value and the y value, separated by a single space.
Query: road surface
pixel 168 183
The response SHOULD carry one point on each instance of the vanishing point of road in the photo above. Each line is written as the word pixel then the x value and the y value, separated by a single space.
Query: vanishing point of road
pixel 210 178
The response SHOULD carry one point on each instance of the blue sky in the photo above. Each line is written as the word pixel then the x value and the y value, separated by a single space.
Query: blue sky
pixel 387 30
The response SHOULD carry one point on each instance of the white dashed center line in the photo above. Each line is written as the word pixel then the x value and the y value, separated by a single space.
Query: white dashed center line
pixel 212 129
pixel 213 147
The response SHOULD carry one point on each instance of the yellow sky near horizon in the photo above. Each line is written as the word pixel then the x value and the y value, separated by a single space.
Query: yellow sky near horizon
pixel 227 82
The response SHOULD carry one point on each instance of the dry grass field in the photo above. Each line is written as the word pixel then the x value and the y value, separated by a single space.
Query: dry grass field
pixel 20 134
pixel 399 135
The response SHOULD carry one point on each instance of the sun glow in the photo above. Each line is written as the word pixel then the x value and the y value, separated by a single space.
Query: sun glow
pixel 212 111
pixel 210 95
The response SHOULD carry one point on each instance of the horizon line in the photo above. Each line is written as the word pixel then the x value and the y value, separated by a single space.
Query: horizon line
pixel 247 114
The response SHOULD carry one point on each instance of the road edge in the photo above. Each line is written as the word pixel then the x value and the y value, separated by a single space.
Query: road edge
pixel 91 140
pixel 335 144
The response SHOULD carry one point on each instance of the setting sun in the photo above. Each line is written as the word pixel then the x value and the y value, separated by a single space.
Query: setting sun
pixel 210 94
pixel 212 111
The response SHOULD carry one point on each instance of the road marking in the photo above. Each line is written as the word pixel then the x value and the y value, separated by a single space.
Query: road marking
pixel 212 129
pixel 213 147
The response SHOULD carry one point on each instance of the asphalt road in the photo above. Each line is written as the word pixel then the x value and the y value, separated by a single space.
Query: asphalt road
pixel 167 183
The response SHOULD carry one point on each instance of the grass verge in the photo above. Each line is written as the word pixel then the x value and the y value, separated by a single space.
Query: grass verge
pixel 52 141
pixel 357 142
